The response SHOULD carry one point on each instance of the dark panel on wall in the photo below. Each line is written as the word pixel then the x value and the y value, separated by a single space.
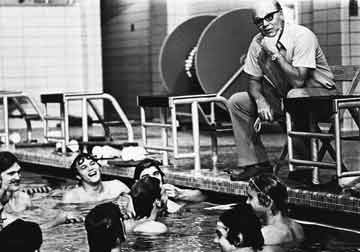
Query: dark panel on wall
pixel 126 50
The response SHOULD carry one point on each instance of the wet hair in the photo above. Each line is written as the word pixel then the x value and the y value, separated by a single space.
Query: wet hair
pixel 21 236
pixel 144 192
pixel 147 163
pixel 104 225
pixel 79 159
pixel 270 187
pixel 242 220
pixel 7 159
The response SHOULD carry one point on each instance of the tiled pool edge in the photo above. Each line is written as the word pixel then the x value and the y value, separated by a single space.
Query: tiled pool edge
pixel 207 181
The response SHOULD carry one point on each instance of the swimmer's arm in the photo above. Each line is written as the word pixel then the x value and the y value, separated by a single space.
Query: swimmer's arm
pixel 60 219
pixel 52 223
pixel 191 195
pixel 120 185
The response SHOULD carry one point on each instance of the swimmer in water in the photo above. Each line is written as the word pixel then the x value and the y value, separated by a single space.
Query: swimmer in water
pixel 151 167
pixel 13 201
pixel 105 228
pixel 268 197
pixel 143 206
pixel 91 188
pixel 239 229
pixel 21 236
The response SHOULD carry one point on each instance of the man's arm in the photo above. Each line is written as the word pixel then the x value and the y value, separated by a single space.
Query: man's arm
pixel 296 76
pixel 255 91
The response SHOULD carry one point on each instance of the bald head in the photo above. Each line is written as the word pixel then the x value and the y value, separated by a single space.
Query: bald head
pixel 262 7
pixel 268 17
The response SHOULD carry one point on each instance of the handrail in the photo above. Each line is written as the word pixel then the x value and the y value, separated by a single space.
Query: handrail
pixel 13 95
pixel 89 96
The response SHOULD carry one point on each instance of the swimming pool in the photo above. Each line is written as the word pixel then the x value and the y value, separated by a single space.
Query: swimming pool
pixel 190 230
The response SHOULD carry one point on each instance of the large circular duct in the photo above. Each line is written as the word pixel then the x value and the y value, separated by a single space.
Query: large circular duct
pixel 175 50
pixel 220 48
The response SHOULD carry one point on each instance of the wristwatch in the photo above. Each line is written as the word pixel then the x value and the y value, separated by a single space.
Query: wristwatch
pixel 275 56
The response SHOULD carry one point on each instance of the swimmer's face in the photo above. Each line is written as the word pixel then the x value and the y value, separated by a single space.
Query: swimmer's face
pixel 10 178
pixel 221 234
pixel 152 171
pixel 88 170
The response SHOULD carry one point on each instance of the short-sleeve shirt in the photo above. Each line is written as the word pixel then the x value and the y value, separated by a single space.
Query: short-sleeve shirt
pixel 302 50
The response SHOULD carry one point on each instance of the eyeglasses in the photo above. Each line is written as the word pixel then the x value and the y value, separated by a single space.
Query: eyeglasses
pixel 269 17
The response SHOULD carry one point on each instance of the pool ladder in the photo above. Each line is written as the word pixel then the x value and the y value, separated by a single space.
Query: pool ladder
pixel 63 99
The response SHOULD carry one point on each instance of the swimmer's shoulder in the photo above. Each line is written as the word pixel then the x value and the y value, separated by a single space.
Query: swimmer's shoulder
pixel 275 234
pixel 150 227
pixel 23 196
pixel 281 233
pixel 297 230
pixel 72 195
pixel 117 185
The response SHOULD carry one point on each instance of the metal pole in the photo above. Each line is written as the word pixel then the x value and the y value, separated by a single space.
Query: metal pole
pixel 64 113
pixel 196 135
pixel 289 139
pixel 164 135
pixel 337 140
pixel 6 120
pixel 85 129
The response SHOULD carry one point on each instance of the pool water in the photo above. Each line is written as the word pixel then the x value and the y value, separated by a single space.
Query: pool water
pixel 192 229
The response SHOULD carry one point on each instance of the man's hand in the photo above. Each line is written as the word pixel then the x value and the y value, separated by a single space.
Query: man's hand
pixel 4 186
pixel 269 45
pixel 264 111
pixel 4 183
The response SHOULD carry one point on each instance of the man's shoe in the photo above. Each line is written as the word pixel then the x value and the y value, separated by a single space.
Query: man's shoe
pixel 250 171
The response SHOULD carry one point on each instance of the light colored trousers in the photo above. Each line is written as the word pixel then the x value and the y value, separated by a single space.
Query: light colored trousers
pixel 243 112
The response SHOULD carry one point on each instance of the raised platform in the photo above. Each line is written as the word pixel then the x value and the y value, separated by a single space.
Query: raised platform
pixel 217 181
pixel 182 173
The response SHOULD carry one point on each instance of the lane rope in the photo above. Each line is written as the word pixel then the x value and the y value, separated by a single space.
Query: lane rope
pixel 39 189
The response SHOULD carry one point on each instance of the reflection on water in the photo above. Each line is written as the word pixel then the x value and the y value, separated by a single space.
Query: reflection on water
pixel 190 230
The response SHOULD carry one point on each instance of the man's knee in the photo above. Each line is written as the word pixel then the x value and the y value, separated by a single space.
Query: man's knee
pixel 307 92
pixel 239 99
pixel 297 92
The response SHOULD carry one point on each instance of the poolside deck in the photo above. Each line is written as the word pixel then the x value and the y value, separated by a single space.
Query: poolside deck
pixel 181 173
